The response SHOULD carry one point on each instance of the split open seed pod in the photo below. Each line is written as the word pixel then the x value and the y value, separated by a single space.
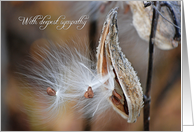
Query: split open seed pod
pixel 166 35
pixel 126 97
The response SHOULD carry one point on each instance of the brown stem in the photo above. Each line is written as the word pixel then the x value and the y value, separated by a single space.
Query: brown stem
pixel 150 66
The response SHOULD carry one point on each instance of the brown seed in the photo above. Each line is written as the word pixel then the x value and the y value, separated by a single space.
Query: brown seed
pixel 51 91
pixel 115 100
pixel 116 94
pixel 86 94
pixel 89 93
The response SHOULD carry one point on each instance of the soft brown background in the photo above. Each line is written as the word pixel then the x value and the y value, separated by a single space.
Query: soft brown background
pixel 20 41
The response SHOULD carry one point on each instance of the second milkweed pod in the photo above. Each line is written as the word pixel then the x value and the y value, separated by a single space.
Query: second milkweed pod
pixel 167 35
pixel 127 94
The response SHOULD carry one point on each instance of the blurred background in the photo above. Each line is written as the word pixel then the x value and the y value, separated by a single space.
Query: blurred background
pixel 18 42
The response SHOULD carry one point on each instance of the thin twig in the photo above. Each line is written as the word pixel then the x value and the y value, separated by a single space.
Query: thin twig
pixel 93 39
pixel 176 27
pixel 167 4
pixel 150 65
pixel 177 35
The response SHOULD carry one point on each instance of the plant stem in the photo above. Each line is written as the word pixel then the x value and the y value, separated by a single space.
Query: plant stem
pixel 150 66
pixel 93 39
pixel 177 35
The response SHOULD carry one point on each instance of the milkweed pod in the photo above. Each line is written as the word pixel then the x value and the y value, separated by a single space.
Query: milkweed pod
pixel 127 95
pixel 166 33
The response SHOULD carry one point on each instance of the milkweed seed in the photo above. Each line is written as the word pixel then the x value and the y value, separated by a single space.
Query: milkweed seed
pixel 115 100
pixel 89 93
pixel 116 94
pixel 51 91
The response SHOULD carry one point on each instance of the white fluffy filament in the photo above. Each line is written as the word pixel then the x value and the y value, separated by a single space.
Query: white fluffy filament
pixel 68 72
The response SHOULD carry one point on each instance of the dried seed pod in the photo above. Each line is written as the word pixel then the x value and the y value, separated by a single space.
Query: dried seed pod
pixel 127 94
pixel 166 33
